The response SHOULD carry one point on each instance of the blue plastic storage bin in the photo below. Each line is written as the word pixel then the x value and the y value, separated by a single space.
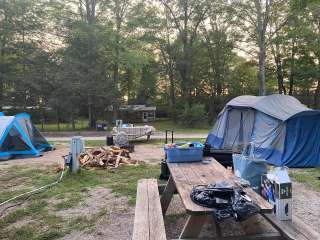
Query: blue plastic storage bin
pixel 189 154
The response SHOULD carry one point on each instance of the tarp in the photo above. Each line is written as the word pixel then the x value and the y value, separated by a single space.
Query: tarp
pixel 18 136
pixel 284 131
pixel 278 106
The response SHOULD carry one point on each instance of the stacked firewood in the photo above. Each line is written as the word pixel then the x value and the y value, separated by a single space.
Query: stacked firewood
pixel 105 157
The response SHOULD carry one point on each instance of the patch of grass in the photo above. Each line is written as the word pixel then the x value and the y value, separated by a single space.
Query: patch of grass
pixel 51 234
pixel 97 143
pixel 80 124
pixel 173 219
pixel 308 176
pixel 67 202
pixel 81 222
pixel 25 232
pixel 72 190
pixel 124 180
pixel 162 125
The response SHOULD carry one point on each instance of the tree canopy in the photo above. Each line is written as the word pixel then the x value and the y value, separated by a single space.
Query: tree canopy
pixel 85 57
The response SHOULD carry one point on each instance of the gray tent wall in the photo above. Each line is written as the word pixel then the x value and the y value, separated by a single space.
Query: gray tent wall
pixel 265 121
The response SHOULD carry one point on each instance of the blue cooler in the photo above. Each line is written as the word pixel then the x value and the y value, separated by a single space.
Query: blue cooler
pixel 177 153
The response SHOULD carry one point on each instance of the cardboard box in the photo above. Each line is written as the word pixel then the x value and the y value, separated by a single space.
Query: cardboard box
pixel 283 185
pixel 283 209
pixel 276 188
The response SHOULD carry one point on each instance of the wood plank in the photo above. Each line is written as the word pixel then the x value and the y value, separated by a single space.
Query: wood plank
pixel 254 225
pixel 167 195
pixel 294 229
pixel 141 217
pixel 156 223
pixel 193 226
pixel 184 187
pixel 305 229
pixel 264 236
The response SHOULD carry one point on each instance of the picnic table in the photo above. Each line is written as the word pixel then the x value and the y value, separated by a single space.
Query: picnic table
pixel 186 175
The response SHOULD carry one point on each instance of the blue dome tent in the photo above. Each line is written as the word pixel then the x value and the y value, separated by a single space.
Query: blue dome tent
pixel 284 131
pixel 18 136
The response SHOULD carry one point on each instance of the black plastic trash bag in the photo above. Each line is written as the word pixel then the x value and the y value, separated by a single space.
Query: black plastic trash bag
pixel 212 196
pixel 242 207
pixel 226 201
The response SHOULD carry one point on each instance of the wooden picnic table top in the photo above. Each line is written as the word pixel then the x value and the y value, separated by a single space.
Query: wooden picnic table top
pixel 187 175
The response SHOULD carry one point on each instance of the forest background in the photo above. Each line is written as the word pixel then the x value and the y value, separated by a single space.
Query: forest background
pixel 62 60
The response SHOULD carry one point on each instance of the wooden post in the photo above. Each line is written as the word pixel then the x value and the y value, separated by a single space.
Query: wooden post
pixel 167 195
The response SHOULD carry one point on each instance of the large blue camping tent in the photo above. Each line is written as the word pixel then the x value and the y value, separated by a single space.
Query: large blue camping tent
pixel 284 131
pixel 18 136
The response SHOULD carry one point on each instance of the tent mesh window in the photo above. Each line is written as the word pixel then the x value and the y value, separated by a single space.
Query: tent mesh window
pixel 34 134
pixel 14 142
pixel 37 138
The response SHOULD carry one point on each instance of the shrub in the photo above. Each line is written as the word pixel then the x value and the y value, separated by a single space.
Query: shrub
pixel 191 115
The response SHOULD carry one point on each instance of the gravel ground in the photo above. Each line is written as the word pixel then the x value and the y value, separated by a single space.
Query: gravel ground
pixel 306 205
pixel 47 159
pixel 143 152
pixel 116 224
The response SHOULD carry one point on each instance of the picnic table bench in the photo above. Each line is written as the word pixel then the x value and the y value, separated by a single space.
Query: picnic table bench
pixel 148 221
pixel 150 209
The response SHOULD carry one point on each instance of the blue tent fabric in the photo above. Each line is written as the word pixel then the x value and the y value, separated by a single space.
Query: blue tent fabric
pixel 284 131
pixel 18 136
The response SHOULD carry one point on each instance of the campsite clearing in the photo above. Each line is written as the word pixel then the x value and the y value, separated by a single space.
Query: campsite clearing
pixel 104 200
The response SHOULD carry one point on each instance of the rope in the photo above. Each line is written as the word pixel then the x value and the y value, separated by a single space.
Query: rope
pixel 35 190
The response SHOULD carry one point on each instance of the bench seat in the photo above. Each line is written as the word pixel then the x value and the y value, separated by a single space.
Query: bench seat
pixel 148 219
pixel 293 230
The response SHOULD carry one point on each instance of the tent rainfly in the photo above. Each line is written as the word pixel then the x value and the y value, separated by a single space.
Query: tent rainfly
pixel 18 136
pixel 284 131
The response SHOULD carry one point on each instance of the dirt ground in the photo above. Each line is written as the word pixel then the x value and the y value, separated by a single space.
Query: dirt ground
pixel 47 159
pixel 117 221
pixel 143 152
pixel 115 224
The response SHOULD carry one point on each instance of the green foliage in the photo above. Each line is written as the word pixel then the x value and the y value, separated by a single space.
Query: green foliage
pixel 80 59
pixel 192 115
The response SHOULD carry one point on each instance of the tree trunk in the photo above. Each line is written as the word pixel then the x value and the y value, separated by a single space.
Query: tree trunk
pixel 316 95
pixel 58 118
pixel 317 92
pixel 262 21
pixel 292 65
pixel 90 112
pixel 212 109
pixel 2 74
pixel 1 88
pixel 172 90
pixel 90 6
pixel 2 54
pixel 129 84
pixel 262 67
pixel 281 87
pixel 116 68
pixel 72 121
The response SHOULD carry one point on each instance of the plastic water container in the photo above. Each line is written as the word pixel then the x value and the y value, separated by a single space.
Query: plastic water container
pixel 184 154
